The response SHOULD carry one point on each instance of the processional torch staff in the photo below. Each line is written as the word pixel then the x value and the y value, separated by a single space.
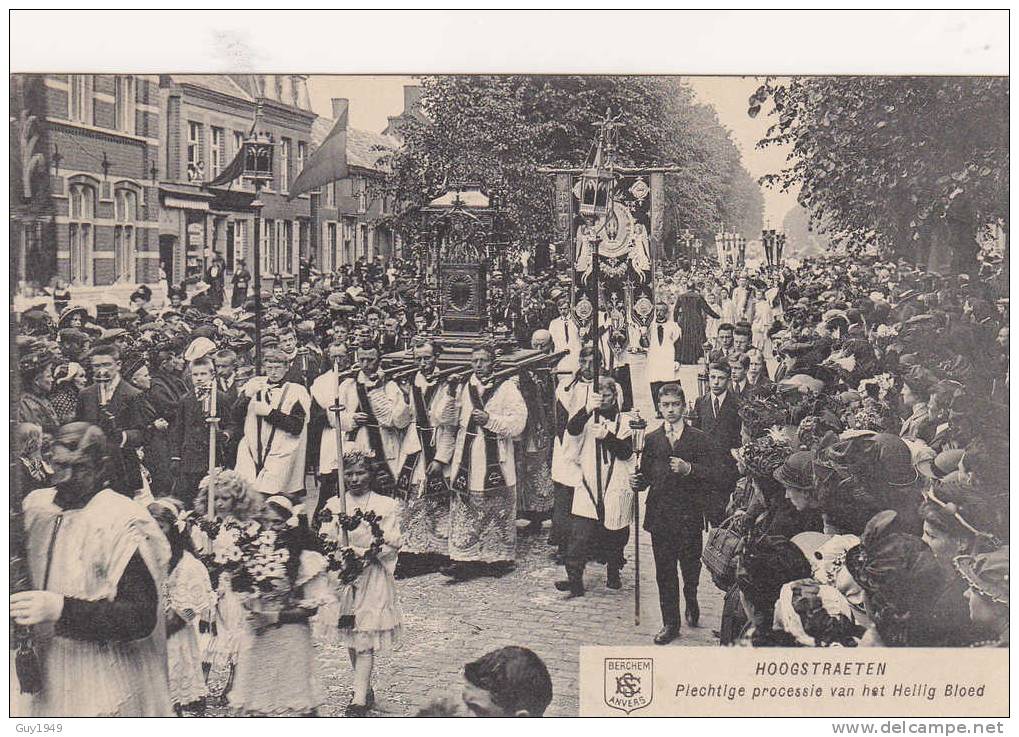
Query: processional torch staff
pixel 341 484
pixel 213 422
pixel 638 428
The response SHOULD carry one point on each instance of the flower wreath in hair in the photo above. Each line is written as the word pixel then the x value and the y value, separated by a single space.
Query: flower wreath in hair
pixel 344 560
pixel 183 518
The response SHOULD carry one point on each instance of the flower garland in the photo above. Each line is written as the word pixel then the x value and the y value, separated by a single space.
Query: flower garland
pixel 253 557
pixel 344 560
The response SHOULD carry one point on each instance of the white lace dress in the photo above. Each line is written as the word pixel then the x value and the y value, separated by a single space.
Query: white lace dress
pixel 372 598
pixel 276 671
pixel 189 595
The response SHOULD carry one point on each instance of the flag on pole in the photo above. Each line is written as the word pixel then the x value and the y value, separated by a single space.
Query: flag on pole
pixel 328 164
pixel 235 168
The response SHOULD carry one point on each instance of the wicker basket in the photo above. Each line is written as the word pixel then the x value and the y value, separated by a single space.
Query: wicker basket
pixel 720 550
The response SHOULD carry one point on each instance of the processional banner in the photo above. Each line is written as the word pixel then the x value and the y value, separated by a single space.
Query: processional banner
pixel 630 236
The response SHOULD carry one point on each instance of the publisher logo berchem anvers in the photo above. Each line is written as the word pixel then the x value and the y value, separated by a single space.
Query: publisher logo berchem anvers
pixel 629 683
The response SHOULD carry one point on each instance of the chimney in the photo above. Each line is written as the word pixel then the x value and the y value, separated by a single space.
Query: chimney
pixel 340 107
pixel 411 97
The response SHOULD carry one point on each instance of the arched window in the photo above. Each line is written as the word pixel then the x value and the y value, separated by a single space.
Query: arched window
pixel 81 232
pixel 125 215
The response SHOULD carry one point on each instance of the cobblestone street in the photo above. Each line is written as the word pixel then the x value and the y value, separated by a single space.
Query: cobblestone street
pixel 448 624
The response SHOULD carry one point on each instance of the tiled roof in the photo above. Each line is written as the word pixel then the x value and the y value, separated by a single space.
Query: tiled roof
pixel 364 148
pixel 220 83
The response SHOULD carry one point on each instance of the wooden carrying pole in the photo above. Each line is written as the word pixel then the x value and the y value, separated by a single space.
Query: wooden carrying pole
pixel 638 426
pixel 341 485
pixel 596 336
pixel 213 421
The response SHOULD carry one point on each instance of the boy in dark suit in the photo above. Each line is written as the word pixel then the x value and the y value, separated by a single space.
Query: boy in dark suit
pixel 717 416
pixel 739 363
pixel 189 441
pixel 122 412
pixel 676 467
pixel 225 361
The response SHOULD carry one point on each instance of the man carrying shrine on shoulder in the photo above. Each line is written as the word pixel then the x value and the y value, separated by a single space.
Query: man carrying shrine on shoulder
pixel 425 454
pixel 491 413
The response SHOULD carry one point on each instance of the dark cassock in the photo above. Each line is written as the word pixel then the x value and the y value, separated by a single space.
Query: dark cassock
pixel 122 412
pixel 535 489
pixel 691 313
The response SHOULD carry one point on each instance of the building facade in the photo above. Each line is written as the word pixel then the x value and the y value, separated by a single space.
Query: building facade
pixel 110 182
pixel 86 213
pixel 348 212
pixel 207 119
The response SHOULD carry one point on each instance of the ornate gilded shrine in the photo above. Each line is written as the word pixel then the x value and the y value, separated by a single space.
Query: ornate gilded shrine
pixel 464 253
pixel 462 227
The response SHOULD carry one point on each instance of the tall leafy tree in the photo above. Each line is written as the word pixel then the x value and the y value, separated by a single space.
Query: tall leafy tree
pixel 497 130
pixel 916 165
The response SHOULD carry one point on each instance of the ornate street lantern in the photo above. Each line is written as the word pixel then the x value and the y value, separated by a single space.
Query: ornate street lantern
pixel 258 158
pixel 258 168
pixel 596 183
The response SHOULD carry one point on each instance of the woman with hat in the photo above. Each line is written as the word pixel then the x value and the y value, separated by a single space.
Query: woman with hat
pixel 72 316
pixel 140 299
pixel 766 564
pixel 36 370
pixel 768 511
pixel 986 576
pixel 958 519
pixel 69 379
pixel 796 475
pixel 31 471
pixel 902 583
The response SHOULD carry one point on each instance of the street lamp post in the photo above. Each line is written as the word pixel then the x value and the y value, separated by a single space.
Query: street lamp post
pixel 258 151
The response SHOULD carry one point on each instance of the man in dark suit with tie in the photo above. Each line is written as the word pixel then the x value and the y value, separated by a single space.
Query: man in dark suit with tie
pixel 676 467
pixel 122 412
pixel 189 440
pixel 717 416
pixel 738 365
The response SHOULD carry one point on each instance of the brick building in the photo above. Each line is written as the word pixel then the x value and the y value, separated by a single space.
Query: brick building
pixel 347 212
pixel 110 181
pixel 207 118
pixel 87 211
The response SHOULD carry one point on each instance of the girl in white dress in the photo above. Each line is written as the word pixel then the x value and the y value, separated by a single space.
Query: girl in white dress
pixel 188 598
pixel 727 310
pixel 370 619
pixel 276 672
